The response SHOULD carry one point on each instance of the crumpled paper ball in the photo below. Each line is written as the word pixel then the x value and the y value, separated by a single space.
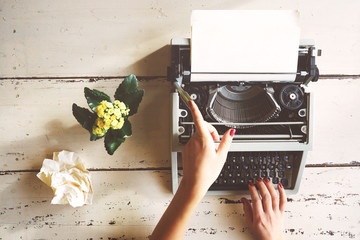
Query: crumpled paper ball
pixel 67 176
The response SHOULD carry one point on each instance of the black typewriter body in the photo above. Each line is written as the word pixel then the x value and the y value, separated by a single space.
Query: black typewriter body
pixel 273 121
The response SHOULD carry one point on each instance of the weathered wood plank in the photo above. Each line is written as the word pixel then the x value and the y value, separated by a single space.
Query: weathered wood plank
pixel 128 205
pixel 39 115
pixel 115 38
pixel 37 120
pixel 336 122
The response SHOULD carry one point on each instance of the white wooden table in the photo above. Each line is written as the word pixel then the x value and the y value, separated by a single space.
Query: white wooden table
pixel 50 51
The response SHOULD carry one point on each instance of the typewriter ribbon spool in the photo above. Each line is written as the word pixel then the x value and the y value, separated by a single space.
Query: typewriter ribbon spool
pixel 243 104
pixel 291 97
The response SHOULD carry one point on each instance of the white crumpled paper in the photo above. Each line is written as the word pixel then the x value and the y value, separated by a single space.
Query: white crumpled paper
pixel 67 176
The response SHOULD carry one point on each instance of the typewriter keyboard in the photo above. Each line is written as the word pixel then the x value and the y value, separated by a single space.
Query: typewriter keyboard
pixel 244 167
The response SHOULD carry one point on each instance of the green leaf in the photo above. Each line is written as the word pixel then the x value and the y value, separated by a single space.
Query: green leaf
pixel 129 85
pixel 133 100
pixel 128 93
pixel 84 117
pixel 113 140
pixel 94 97
pixel 126 130
pixel 94 137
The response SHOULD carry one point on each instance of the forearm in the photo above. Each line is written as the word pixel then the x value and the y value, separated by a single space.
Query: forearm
pixel 173 223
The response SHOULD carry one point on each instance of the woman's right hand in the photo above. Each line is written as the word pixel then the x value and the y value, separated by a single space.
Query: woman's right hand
pixel 202 162
pixel 266 213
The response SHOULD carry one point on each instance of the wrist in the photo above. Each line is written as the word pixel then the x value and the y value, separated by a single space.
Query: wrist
pixel 194 191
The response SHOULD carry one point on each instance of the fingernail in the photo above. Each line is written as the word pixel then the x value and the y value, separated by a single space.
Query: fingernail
pixel 232 132
pixel 266 180
pixel 258 179
pixel 251 184
pixel 190 103
pixel 280 185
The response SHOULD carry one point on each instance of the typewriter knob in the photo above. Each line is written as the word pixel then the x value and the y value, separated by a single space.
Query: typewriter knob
pixel 198 95
pixel 302 112
pixel 291 97
pixel 193 96
pixel 303 129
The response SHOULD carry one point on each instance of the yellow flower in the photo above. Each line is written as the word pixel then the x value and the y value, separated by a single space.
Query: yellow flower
pixel 99 108
pixel 114 123
pixel 101 114
pixel 117 113
pixel 100 123
pixel 119 125
pixel 117 102
pixel 109 105
pixel 103 104
pixel 94 130
pixel 110 115
pixel 107 124
pixel 122 106
pixel 125 112
pixel 107 116
pixel 98 131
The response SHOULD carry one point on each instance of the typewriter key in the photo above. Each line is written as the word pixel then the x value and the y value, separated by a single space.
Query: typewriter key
pixel 275 180
pixel 284 182
pixel 288 166
pixel 280 166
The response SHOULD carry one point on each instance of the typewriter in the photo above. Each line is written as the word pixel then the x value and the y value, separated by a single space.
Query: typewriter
pixel 273 120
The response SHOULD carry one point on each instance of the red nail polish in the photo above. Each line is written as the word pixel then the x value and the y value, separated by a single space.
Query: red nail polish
pixel 232 132
pixel 190 103
pixel 251 184
pixel 280 185
pixel 258 179
pixel 266 180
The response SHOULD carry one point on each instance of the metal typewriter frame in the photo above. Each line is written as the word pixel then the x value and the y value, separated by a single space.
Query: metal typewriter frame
pixel 240 143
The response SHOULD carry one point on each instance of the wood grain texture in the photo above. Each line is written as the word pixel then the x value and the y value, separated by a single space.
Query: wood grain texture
pixel 39 128
pixel 39 112
pixel 127 205
pixel 51 50
pixel 336 122
pixel 116 38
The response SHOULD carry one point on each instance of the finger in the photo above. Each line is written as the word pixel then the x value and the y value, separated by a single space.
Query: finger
pixel 256 201
pixel 283 199
pixel 265 195
pixel 214 133
pixel 225 143
pixel 247 211
pixel 273 194
pixel 197 117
